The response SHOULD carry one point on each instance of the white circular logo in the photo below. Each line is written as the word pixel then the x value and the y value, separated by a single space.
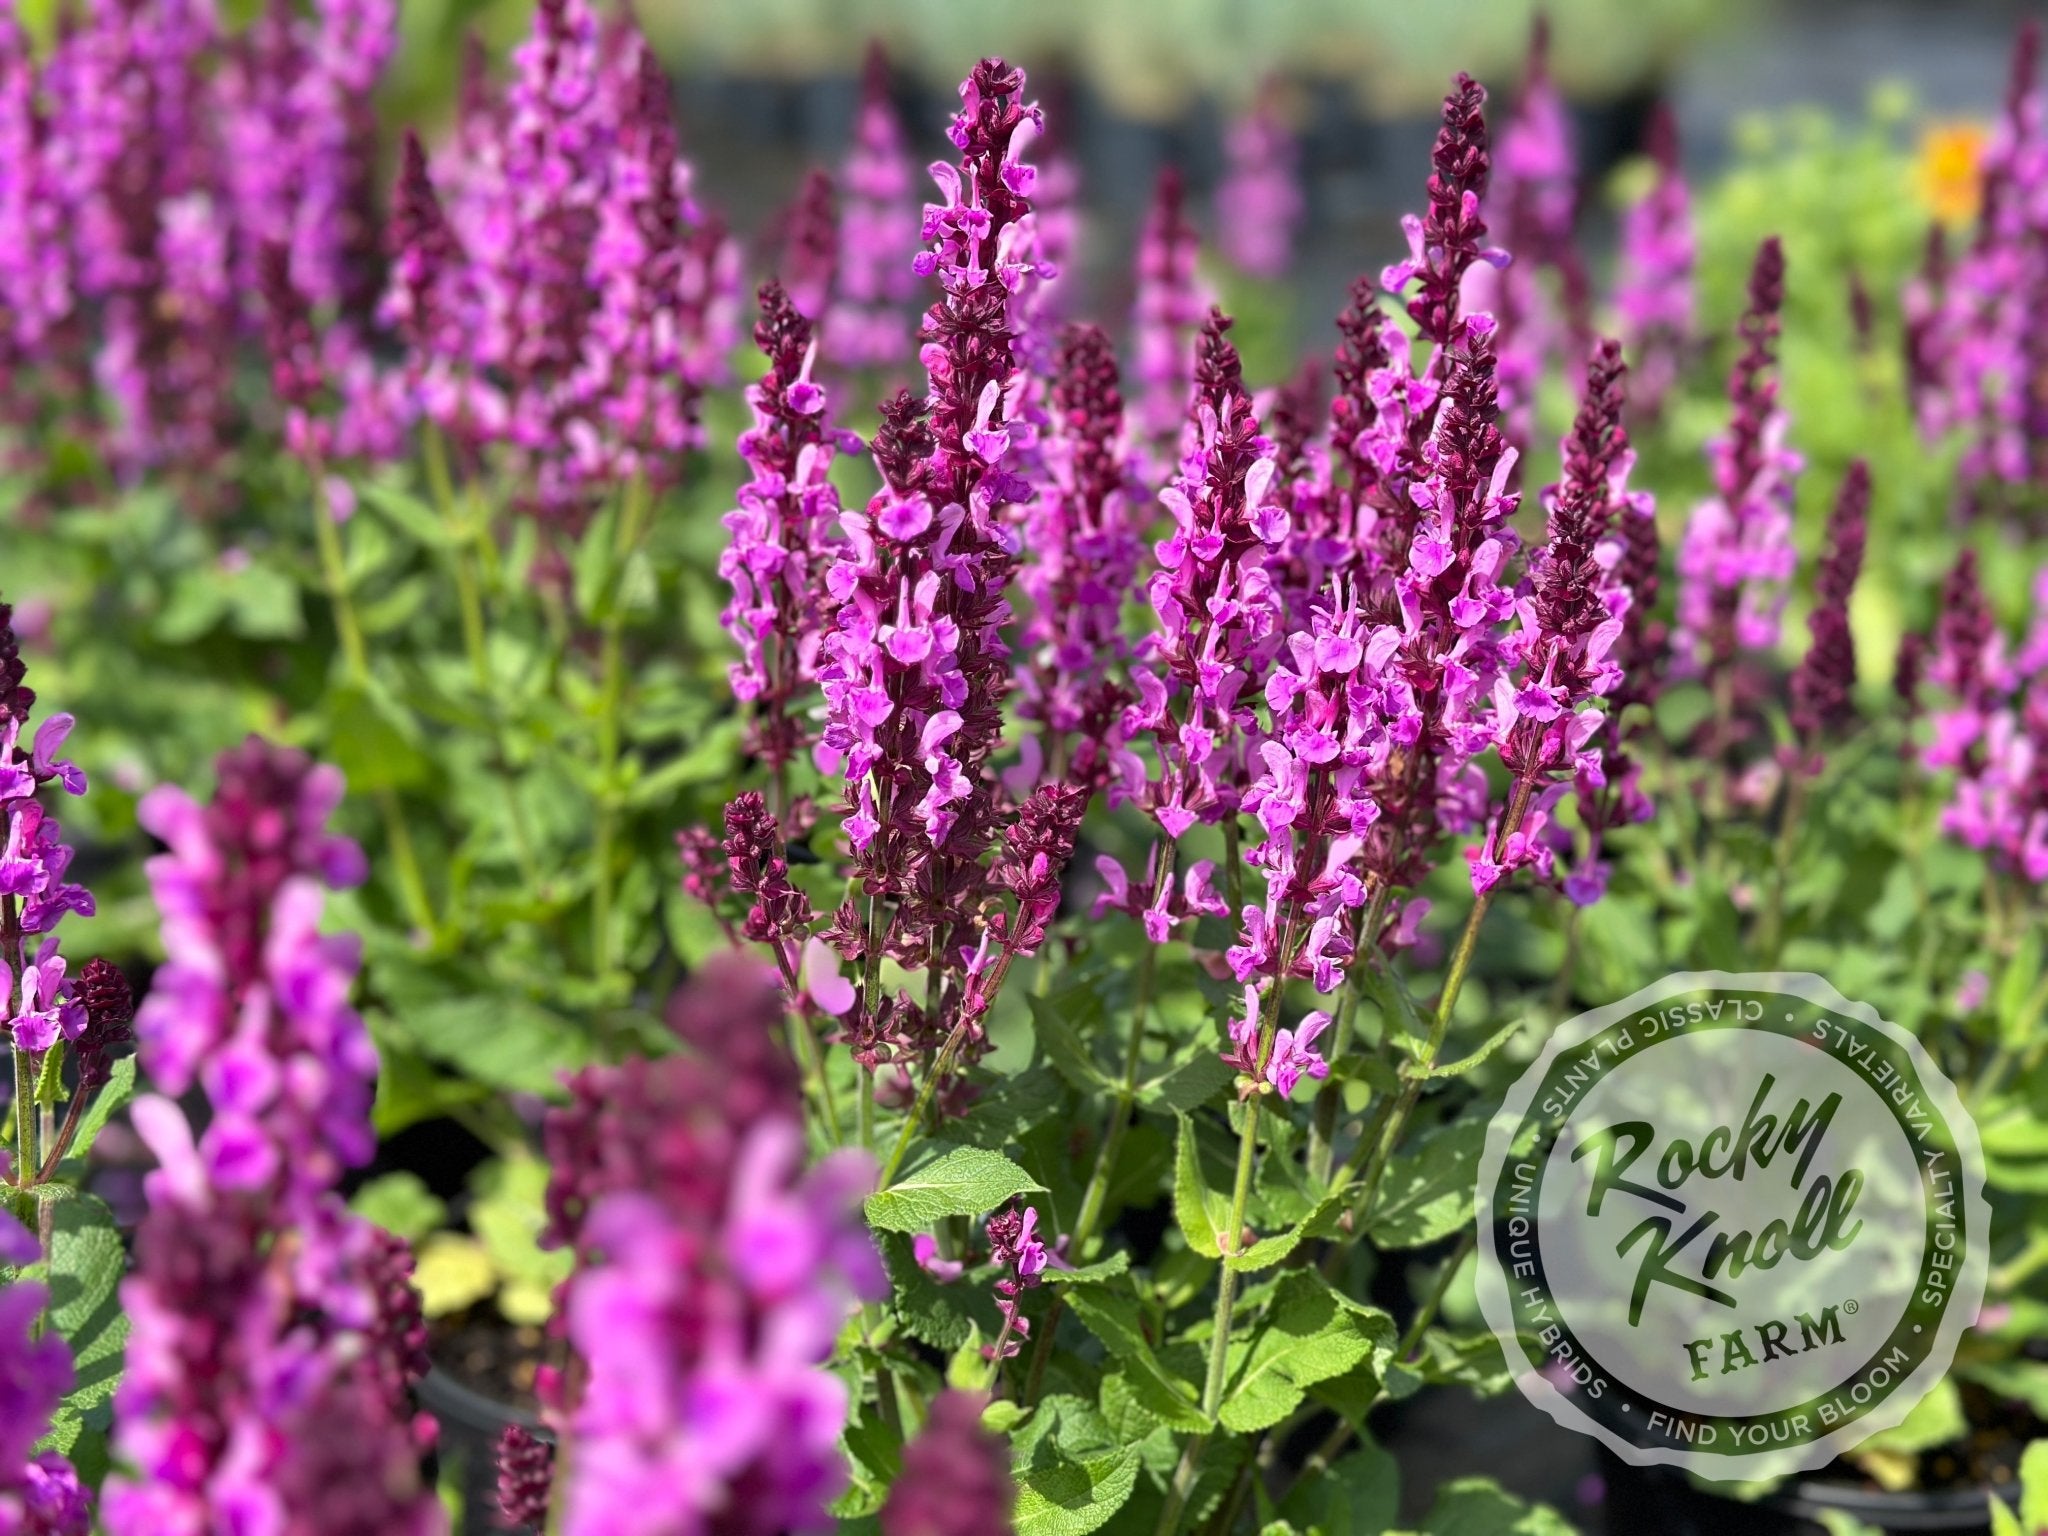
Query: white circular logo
pixel 1733 1222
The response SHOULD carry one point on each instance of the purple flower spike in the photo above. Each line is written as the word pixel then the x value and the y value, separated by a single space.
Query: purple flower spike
pixel 714 1274
pixel 810 246
pixel 868 325
pixel 913 662
pixel 1653 286
pixel 1259 204
pixel 526 1476
pixel 1535 187
pixel 1825 679
pixel 1737 553
pixel 784 534
pixel 276 1334
pixel 1444 243
pixel 253 1003
pixel 1082 546
pixel 1165 313
pixel 1551 711
pixel 956 1477
pixel 1197 673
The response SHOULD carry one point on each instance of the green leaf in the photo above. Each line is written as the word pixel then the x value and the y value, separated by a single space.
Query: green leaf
pixel 1112 1316
pixel 2034 1486
pixel 50 1080
pixel 1484 1053
pixel 1427 1190
pixel 1935 1420
pixel 1200 1211
pixel 401 1204
pixel 373 741
pixel 967 1181
pixel 1062 1046
pixel 408 514
pixel 1307 1334
pixel 452 1271
pixel 1188 1086
pixel 1476 1506
pixel 504 1041
pixel 2003 1521
pixel 1359 1494
pixel 119 1089
pixel 943 1316
pixel 2016 990
pixel 87 1261
pixel 1072 1498
pixel 1116 1264
pixel 508 1215
pixel 1399 1015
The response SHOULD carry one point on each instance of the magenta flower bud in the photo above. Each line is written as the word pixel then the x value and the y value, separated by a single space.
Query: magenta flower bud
pixel 526 1475
pixel 1825 679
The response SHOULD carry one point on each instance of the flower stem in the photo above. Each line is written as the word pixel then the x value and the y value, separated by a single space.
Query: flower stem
pixel 334 572
pixel 1447 1002
pixel 1226 1282
pixel 476 643
pixel 1330 1097
pixel 1097 1194
pixel 940 1066
pixel 611 696
pixel 1771 940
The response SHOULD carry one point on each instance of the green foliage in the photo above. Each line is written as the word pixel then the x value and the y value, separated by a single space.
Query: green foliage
pixel 87 1261
pixel 965 1181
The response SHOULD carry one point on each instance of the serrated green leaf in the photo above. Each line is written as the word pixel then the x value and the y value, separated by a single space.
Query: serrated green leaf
pixel 1113 1318
pixel 943 1316
pixel 1072 1498
pixel 1307 1334
pixel 1116 1264
pixel 967 1181
pixel 87 1261
pixel 452 1271
pixel 1427 1190
pixel 1357 1496
pixel 1200 1211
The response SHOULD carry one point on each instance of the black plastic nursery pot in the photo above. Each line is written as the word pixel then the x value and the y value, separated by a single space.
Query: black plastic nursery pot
pixel 1666 1501
pixel 470 1424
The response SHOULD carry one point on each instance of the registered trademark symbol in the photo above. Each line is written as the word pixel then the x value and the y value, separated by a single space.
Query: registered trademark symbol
pixel 1850 1306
